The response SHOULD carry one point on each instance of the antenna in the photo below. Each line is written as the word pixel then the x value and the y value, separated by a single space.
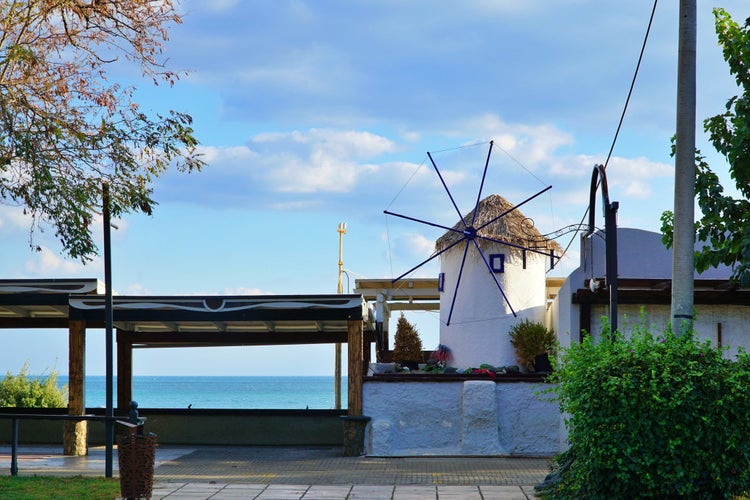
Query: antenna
pixel 342 231
pixel 340 289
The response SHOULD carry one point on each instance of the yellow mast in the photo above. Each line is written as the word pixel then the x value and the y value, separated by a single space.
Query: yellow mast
pixel 340 289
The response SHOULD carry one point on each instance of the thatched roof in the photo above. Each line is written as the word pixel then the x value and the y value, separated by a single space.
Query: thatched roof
pixel 514 227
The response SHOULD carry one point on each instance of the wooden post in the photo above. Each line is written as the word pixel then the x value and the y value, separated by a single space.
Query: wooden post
pixel 75 434
pixel 124 371
pixel 355 348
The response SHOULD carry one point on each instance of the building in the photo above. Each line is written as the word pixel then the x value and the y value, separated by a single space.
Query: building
pixel 475 416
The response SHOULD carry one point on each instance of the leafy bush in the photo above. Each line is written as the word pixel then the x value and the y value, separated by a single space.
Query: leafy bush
pixel 530 339
pixel 20 391
pixel 650 416
pixel 407 344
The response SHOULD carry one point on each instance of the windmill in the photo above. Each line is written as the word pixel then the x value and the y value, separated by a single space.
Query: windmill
pixel 473 229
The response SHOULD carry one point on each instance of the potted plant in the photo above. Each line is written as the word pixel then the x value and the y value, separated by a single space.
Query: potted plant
pixel 407 350
pixel 533 343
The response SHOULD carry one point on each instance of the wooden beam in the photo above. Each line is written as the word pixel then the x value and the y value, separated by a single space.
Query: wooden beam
pixel 17 323
pixel 124 372
pixel 651 296
pixel 356 357
pixel 75 433
pixel 414 306
pixel 155 339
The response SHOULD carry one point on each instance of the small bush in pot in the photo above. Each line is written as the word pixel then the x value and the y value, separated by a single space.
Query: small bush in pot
pixel 531 339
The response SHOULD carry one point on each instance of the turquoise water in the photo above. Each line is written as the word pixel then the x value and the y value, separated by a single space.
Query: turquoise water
pixel 297 393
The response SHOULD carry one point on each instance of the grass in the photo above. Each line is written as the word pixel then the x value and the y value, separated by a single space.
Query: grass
pixel 48 487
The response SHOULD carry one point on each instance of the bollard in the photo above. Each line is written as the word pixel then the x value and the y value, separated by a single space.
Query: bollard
pixel 354 434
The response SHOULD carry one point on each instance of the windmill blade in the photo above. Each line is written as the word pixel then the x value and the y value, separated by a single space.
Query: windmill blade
pixel 494 278
pixel 458 282
pixel 481 185
pixel 428 260
pixel 422 221
pixel 514 208
pixel 460 216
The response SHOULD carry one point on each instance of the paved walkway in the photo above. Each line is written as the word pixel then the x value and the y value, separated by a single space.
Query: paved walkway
pixel 250 472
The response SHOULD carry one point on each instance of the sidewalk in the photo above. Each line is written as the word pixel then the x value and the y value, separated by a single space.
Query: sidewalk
pixel 252 472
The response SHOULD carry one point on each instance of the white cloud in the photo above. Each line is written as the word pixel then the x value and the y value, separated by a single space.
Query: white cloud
pixel 12 218
pixel 531 145
pixel 318 160
pixel 214 154
pixel 420 245
pixel 295 206
pixel 214 6
pixel 636 177
pixel 47 263
pixel 575 166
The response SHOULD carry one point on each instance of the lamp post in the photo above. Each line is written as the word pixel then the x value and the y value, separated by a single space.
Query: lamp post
pixel 340 289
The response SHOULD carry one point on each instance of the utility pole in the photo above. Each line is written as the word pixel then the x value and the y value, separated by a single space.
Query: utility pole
pixel 340 289
pixel 683 266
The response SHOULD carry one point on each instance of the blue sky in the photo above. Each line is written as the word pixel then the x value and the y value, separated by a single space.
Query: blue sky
pixel 312 113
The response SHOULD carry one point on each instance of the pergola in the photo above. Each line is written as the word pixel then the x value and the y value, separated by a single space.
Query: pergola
pixel 183 321
pixel 655 291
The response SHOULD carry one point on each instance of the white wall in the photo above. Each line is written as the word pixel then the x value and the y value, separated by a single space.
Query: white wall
pixel 473 417
pixel 481 317
pixel 735 323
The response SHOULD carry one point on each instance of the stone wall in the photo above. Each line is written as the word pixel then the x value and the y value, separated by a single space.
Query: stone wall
pixel 461 417
pixel 201 427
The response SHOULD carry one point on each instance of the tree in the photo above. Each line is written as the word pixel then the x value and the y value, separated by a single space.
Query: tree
pixel 407 344
pixel 19 391
pixel 65 128
pixel 724 226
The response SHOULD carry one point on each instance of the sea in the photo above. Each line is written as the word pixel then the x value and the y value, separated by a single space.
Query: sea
pixel 222 392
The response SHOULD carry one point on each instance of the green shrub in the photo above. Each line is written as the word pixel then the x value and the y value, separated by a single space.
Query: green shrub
pixel 530 339
pixel 649 416
pixel 20 391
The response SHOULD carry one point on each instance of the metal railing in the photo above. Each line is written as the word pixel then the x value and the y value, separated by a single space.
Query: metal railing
pixel 15 417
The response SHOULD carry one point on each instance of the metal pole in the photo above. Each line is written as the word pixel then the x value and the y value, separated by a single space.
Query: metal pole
pixel 599 177
pixel 108 320
pixel 683 266
pixel 610 227
pixel 340 289
pixel 14 449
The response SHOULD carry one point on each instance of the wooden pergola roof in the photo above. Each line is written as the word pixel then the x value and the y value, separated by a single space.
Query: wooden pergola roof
pixel 182 321
pixel 41 303
pixel 169 321
pixel 658 291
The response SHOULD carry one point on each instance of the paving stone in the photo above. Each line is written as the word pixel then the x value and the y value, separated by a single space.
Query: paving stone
pixel 414 492
pixel 262 473
pixel 490 492
pixel 458 492
pixel 328 492
pixel 371 492
pixel 283 492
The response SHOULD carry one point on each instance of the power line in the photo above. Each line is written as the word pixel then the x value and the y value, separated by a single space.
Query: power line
pixel 624 110
pixel 632 83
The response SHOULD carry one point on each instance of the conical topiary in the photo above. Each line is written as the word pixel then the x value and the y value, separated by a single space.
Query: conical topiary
pixel 408 345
